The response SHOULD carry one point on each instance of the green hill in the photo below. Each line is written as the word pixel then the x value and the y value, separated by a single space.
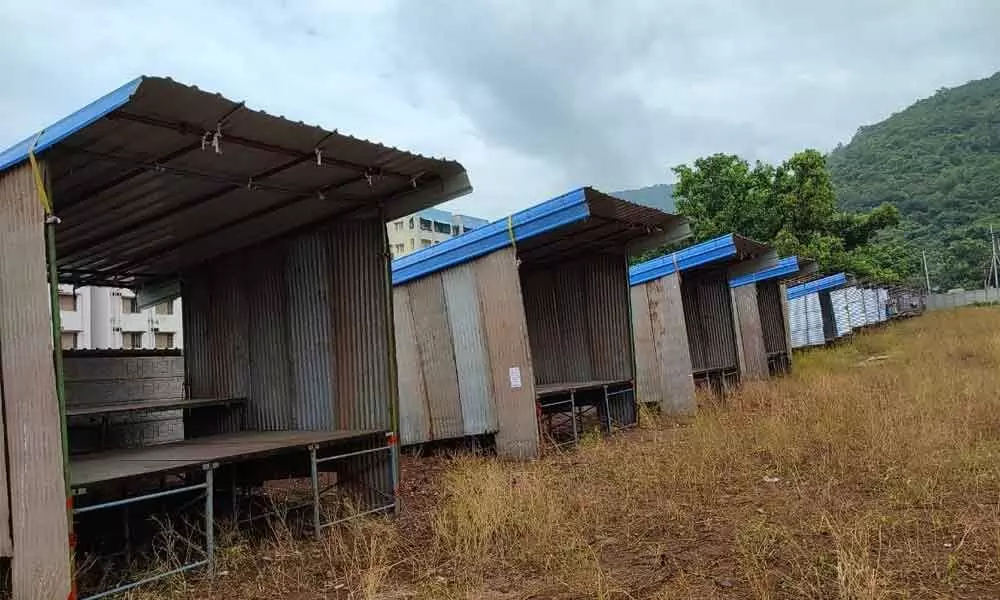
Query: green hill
pixel 938 161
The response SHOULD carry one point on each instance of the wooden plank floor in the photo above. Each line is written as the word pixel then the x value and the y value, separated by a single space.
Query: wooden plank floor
pixel 115 465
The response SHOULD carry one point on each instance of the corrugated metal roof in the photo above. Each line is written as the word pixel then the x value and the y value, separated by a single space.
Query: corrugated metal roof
pixel 157 177
pixel 786 266
pixel 581 219
pixel 825 283
pixel 721 248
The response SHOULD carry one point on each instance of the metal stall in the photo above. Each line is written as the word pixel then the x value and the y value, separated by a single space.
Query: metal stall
pixel 274 231
pixel 526 315
pixel 819 311
pixel 684 320
pixel 769 343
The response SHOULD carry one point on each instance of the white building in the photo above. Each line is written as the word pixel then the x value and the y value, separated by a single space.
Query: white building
pixel 426 228
pixel 100 317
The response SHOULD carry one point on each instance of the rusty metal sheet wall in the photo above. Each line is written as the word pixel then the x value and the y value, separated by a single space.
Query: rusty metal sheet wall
pixel 709 318
pixel 270 371
pixel 216 355
pixel 772 316
pixel 647 375
pixel 307 315
pixel 499 290
pixel 753 356
pixel 578 320
pixel 472 360
pixel 359 258
pixel 545 331
pixel 607 310
pixel 40 564
pixel 669 331
pixel 299 326
pixel 414 417
pixel 437 356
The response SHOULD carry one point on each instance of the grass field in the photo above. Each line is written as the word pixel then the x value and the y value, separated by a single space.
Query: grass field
pixel 872 472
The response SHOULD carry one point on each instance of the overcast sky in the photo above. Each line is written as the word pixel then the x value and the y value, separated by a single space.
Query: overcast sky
pixel 534 98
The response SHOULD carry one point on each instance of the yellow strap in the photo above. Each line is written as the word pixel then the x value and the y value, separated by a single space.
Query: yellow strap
pixel 43 195
pixel 510 230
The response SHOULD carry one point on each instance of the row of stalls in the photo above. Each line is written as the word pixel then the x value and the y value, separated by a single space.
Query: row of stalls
pixel 307 353
pixel 520 330
pixel 273 231
pixel 828 308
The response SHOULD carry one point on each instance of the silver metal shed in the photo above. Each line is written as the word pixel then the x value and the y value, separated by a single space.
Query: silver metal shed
pixel 684 319
pixel 274 232
pixel 506 320
pixel 762 317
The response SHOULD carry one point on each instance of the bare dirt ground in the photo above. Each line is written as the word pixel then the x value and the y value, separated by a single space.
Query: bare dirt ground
pixel 872 472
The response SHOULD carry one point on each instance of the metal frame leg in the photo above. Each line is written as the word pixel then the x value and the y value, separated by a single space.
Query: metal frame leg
pixel 314 473
pixel 607 409
pixel 210 519
pixel 572 403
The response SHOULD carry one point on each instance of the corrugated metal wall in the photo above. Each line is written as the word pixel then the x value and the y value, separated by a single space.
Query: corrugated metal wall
pixel 709 318
pixel 841 314
pixel 772 318
pixel 506 334
pixel 298 326
pixel 448 382
pixel 663 360
pixel 37 511
pixel 578 320
pixel 753 356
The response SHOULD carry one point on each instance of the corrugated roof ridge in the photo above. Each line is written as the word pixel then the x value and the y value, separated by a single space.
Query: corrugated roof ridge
pixel 686 258
pixel 486 239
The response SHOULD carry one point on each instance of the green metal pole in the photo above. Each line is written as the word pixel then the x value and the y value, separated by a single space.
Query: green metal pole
pixel 391 339
pixel 57 361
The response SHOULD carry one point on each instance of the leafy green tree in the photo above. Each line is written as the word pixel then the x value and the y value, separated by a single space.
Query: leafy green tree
pixel 793 208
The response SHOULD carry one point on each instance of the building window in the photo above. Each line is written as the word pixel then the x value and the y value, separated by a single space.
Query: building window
pixel 425 243
pixel 67 302
pixel 69 340
pixel 399 225
pixel 425 225
pixel 165 308
pixel 456 229
pixel 413 244
pixel 411 222
pixel 131 340
pixel 130 306
pixel 164 340
pixel 444 228
pixel 400 248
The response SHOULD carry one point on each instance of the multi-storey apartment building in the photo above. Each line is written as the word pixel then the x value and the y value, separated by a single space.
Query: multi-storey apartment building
pixel 99 317
pixel 426 228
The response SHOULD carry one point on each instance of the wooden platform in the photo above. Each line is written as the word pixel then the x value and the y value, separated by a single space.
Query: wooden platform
pixel 149 405
pixel 549 389
pixel 116 465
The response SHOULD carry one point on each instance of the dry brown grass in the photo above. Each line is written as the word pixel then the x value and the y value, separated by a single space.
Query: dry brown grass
pixel 856 478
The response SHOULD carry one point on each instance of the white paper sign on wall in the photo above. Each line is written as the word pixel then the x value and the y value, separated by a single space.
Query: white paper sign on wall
pixel 515 378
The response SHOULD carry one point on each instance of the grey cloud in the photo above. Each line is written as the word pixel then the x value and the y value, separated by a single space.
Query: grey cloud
pixel 534 97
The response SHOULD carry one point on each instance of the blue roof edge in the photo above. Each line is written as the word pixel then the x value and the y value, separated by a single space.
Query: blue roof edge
pixel 786 266
pixel 688 258
pixel 818 285
pixel 528 223
pixel 67 126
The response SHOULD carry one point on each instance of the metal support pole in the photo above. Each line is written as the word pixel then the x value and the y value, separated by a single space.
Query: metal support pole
pixel 314 473
pixel 572 401
pixel 210 519
pixel 607 409
pixel 394 457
